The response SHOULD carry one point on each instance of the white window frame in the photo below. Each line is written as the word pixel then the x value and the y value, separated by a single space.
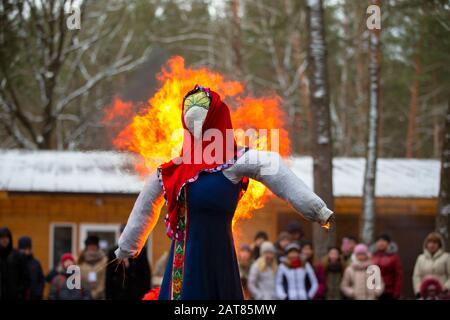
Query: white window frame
pixel 54 225
pixel 86 227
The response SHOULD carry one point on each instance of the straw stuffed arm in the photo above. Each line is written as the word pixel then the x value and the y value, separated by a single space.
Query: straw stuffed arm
pixel 142 219
pixel 270 169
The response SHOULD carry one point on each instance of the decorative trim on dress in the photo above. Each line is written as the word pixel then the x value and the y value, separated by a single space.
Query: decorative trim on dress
pixel 220 167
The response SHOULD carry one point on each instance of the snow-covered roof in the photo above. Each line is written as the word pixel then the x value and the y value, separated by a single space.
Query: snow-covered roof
pixel 402 178
pixel 68 171
pixel 113 172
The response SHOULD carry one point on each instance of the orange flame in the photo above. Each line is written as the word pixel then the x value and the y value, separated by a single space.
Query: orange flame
pixel 151 132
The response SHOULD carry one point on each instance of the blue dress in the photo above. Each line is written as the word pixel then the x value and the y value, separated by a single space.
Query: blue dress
pixel 210 263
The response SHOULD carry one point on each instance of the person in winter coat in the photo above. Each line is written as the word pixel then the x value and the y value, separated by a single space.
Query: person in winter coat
pixel 354 282
pixel 434 261
pixel 292 277
pixel 130 280
pixel 296 232
pixel 244 262
pixel 59 286
pixel 53 273
pixel 37 282
pixel 386 257
pixel 14 277
pixel 347 246
pixel 334 269
pixel 92 264
pixel 431 289
pixel 307 253
pixel 261 279
pixel 284 238
pixel 260 237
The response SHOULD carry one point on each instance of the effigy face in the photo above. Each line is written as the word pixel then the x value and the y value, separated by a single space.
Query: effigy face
pixel 196 108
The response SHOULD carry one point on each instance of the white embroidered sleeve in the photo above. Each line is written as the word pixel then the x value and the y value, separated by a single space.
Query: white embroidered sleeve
pixel 142 219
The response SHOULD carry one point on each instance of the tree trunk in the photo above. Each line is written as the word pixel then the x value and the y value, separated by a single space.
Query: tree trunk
pixel 359 33
pixel 321 140
pixel 412 115
pixel 442 219
pixel 300 131
pixel 368 219
pixel 436 122
pixel 236 39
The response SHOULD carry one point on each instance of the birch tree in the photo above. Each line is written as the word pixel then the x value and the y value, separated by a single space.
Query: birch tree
pixel 319 98
pixel 368 218
pixel 443 214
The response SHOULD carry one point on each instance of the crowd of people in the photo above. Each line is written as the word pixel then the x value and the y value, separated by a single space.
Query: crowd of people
pixel 288 269
pixel 22 277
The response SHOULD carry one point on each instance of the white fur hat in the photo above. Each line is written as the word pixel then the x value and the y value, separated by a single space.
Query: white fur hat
pixel 266 246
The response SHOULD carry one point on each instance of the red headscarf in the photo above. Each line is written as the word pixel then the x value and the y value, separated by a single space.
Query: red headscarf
pixel 174 175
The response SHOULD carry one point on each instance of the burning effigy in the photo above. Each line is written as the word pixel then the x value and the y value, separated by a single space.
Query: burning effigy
pixel 155 134
pixel 211 164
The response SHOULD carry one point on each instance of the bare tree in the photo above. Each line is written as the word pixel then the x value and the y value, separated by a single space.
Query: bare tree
pixel 368 218
pixel 319 98
pixel 272 29
pixel 49 72
pixel 443 214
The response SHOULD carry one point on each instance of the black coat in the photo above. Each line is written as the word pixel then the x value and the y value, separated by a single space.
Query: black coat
pixel 127 283
pixel 37 280
pixel 14 277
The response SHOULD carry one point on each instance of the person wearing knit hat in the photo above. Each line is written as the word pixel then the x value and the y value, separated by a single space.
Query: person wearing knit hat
pixel 387 258
pixel 261 281
pixel 431 289
pixel 92 263
pixel 293 275
pixel 69 258
pixel 36 275
pixel 24 243
pixel 266 246
pixel 292 247
pixel 63 286
pixel 92 241
pixel 361 249
pixel 354 282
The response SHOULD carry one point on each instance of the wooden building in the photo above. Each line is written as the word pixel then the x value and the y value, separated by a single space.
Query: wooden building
pixel 58 198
